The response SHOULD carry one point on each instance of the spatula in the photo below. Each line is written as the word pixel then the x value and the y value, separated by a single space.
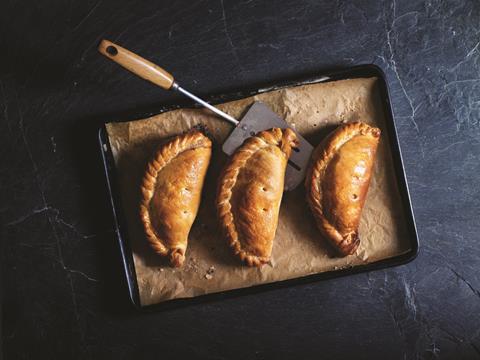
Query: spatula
pixel 259 117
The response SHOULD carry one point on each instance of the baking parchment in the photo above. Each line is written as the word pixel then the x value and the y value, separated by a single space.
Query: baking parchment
pixel 298 250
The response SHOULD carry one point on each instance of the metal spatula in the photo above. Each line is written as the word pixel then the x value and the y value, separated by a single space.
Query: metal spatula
pixel 259 117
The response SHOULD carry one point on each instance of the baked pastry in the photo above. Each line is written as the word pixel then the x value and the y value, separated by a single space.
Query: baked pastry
pixel 337 182
pixel 250 191
pixel 171 192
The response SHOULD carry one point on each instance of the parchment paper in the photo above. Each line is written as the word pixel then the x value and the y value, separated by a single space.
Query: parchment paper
pixel 298 249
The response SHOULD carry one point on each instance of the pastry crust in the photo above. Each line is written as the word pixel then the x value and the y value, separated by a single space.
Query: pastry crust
pixel 337 182
pixel 250 191
pixel 171 193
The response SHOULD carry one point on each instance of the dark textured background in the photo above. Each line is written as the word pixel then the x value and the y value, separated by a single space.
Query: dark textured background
pixel 63 291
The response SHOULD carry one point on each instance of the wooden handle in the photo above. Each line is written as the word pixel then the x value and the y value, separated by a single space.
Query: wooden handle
pixel 136 64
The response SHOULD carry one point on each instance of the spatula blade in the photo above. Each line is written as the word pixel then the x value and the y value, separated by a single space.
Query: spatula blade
pixel 260 117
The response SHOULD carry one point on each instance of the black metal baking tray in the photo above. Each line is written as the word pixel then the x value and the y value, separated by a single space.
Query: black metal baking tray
pixel 362 71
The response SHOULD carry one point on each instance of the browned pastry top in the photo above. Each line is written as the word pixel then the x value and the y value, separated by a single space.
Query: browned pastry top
pixel 337 182
pixel 171 192
pixel 250 191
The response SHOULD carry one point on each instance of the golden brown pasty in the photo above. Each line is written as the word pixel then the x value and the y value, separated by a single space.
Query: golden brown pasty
pixel 337 182
pixel 250 191
pixel 171 192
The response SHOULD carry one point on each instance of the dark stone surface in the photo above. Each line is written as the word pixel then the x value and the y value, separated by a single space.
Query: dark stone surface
pixel 63 291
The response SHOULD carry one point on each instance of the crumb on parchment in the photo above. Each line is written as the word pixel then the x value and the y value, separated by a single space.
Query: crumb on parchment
pixel 210 271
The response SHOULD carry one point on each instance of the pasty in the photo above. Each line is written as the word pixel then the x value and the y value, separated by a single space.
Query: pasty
pixel 171 193
pixel 250 191
pixel 337 183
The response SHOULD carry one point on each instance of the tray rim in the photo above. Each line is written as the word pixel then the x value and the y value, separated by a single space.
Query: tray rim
pixel 359 71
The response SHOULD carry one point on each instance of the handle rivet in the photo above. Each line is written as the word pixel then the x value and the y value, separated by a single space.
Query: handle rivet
pixel 112 50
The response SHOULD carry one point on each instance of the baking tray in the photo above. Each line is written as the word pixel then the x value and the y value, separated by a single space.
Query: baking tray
pixel 120 224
